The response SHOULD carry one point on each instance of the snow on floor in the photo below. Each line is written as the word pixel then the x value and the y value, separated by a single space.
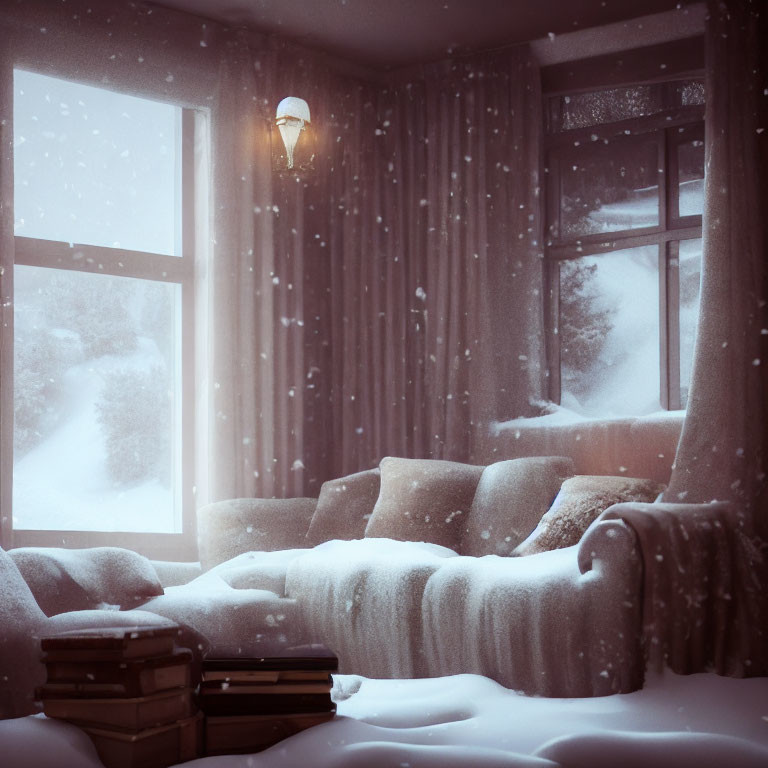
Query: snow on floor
pixel 701 721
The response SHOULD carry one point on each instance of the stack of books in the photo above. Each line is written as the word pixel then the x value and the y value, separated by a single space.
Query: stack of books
pixel 129 689
pixel 251 703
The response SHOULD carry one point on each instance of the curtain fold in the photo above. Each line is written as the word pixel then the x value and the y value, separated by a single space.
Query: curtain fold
pixel 723 453
pixel 241 289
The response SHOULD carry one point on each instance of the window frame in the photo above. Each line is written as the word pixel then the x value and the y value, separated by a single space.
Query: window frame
pixel 669 128
pixel 179 269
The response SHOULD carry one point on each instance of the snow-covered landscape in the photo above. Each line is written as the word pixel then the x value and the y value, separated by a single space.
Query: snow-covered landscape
pixel 468 721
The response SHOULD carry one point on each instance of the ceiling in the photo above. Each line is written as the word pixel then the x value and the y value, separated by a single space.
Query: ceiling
pixel 394 33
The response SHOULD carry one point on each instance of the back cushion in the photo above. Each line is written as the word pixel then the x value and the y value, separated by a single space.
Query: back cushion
pixel 80 579
pixel 581 500
pixel 423 500
pixel 229 528
pixel 344 507
pixel 510 500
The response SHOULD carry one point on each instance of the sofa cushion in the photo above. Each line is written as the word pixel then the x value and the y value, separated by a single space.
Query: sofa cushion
pixel 257 570
pixel 231 622
pixel 363 599
pixel 81 579
pixel 511 498
pixel 580 501
pixel 344 507
pixel 229 528
pixel 423 500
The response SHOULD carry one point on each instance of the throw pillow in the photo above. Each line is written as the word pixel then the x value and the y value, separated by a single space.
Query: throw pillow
pixel 229 528
pixel 65 580
pixel 344 507
pixel 423 500
pixel 581 500
pixel 511 498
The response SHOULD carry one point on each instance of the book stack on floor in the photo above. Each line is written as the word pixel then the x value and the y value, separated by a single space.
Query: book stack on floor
pixel 129 689
pixel 250 704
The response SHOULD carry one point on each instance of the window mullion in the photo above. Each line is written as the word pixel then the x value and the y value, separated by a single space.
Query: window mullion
pixel 673 323
pixel 32 252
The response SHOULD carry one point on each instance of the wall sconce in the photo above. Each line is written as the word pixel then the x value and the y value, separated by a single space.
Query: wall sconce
pixel 293 122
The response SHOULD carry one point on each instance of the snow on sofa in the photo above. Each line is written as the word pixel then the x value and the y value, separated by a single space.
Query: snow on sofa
pixel 410 570
pixel 418 579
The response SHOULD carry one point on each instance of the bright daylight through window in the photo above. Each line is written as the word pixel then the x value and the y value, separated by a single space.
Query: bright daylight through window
pixel 625 178
pixel 97 314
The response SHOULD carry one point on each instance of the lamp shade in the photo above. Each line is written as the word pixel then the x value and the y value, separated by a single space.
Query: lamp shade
pixel 293 107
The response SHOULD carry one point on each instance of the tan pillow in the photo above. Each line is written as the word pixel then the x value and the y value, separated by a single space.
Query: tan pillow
pixel 344 507
pixel 229 528
pixel 423 500
pixel 510 500
pixel 581 500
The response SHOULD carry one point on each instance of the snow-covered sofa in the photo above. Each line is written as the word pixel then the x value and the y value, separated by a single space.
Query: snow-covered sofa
pixel 406 571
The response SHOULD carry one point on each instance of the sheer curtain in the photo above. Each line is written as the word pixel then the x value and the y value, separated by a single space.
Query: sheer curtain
pixel 240 365
pixel 723 450
pixel 270 400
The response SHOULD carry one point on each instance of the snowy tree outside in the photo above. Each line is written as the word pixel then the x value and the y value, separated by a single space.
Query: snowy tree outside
pixel 610 363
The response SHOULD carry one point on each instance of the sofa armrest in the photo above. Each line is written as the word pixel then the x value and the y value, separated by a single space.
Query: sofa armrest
pixel 230 528
pixel 607 544
pixel 704 585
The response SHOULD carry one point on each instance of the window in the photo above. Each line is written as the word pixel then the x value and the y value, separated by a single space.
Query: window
pixel 624 199
pixel 103 285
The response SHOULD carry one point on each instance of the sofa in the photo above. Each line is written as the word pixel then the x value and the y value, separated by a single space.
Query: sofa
pixel 549 582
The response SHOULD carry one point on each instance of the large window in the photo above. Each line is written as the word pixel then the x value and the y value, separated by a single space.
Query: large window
pixel 624 198
pixel 102 329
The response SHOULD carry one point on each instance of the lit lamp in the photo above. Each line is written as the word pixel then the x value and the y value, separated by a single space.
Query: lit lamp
pixel 292 119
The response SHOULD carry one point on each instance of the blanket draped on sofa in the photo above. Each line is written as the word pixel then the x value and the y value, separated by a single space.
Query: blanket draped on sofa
pixel 704 606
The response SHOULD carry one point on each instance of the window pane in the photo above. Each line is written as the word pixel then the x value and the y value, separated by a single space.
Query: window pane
pixel 690 289
pixel 609 333
pixel 612 105
pixel 611 189
pixel 580 110
pixel 96 402
pixel 690 158
pixel 690 92
pixel 94 167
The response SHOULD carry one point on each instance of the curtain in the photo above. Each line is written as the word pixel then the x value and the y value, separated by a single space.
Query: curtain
pixel 723 452
pixel 437 264
pixel 270 383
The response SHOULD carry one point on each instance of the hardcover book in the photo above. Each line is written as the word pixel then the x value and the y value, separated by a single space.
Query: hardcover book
pixel 265 676
pixel 296 658
pixel 150 748
pixel 267 689
pixel 258 704
pixel 252 733
pixel 127 678
pixel 133 714
pixel 110 643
